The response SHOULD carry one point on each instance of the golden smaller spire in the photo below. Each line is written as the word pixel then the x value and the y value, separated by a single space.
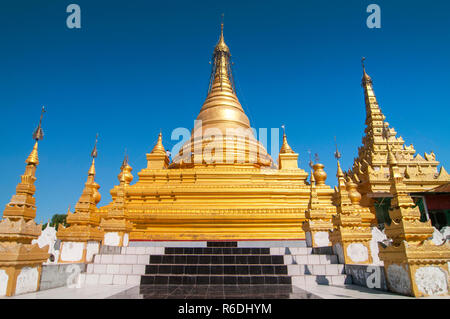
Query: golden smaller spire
pixel 338 155
pixel 33 158
pixel 391 157
pixel 285 148
pixel 221 45
pixel 125 176
pixel 339 170
pixel 92 168
pixel 159 148
pixel 312 178
pixel 94 150
pixel 22 204
pixel 38 134
pixel 387 134
pixel 366 79
pixel 94 155
pixel 313 199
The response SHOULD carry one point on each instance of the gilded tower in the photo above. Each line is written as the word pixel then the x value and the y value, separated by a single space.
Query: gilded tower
pixel 115 222
pixel 20 260
pixel 414 265
pixel 81 239
pixel 349 236
pixel 371 168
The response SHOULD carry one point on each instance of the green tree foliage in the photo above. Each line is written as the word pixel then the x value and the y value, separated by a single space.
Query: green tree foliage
pixel 56 220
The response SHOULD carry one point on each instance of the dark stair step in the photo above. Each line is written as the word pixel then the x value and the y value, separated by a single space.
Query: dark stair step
pixel 217 269
pixel 221 244
pixel 216 251
pixel 215 291
pixel 214 280
pixel 217 259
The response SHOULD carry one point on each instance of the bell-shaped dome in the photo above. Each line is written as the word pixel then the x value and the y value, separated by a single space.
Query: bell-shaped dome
pixel 222 132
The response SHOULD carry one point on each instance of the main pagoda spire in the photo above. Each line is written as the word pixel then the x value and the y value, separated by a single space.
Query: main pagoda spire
pixel 221 70
pixel 221 107
pixel 222 132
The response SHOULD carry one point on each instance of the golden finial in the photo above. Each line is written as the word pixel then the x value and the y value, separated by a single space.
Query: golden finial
pixel 319 173
pixel 311 164
pixel 33 158
pixel 339 170
pixel 285 148
pixel 221 25
pixel 366 78
pixel 38 135
pixel 94 150
pixel 221 45
pixel 159 148
pixel 337 155
pixel 125 160
pixel 94 155
pixel 125 176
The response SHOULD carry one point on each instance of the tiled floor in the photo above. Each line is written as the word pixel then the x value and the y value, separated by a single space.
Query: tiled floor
pixel 214 292
pixel 180 292
pixel 351 292
pixel 91 292
pixel 358 292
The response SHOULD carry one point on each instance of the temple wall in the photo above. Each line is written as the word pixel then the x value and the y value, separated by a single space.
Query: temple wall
pixel 27 280
pixel 370 276
pixel 60 275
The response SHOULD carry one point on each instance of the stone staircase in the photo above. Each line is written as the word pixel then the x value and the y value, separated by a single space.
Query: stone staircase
pixel 220 263
pixel 118 266
pixel 308 269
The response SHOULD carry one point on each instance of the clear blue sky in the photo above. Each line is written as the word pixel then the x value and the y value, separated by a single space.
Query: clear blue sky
pixel 136 67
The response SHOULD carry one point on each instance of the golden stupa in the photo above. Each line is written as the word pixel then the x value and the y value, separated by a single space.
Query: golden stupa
pixel 371 168
pixel 222 185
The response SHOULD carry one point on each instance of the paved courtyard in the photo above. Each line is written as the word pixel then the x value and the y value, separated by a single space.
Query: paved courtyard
pixel 210 292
